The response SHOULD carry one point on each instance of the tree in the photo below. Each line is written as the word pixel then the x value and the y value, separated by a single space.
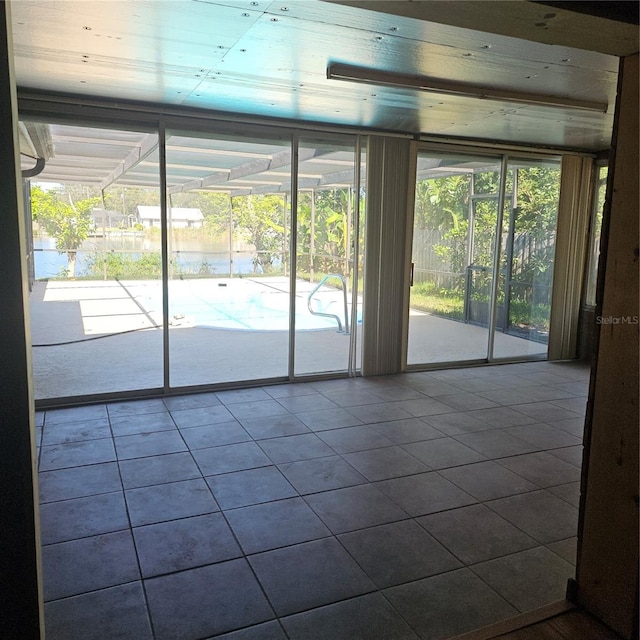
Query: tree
pixel 68 223
pixel 260 219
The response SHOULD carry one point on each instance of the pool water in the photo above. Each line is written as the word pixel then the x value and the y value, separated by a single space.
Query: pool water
pixel 253 305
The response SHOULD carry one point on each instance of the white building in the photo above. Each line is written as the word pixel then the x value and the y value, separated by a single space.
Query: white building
pixel 179 217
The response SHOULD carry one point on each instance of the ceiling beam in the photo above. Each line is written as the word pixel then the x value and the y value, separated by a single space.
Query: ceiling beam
pixel 143 149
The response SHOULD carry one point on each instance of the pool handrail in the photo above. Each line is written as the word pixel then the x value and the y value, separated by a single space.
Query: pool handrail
pixel 343 280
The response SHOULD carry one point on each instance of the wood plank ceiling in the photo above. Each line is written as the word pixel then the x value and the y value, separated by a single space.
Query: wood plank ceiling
pixel 269 58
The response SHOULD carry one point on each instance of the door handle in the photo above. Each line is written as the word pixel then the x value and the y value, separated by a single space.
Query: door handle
pixel 413 264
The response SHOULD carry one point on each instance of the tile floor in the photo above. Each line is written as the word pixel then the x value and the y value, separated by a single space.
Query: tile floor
pixel 413 506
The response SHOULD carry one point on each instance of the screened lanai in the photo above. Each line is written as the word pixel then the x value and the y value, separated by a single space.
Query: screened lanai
pixel 99 299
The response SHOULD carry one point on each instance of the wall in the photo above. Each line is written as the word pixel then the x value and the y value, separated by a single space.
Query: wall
pixel 607 568
pixel 21 599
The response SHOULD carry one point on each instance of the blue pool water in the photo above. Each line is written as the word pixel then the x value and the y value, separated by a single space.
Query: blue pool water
pixel 254 305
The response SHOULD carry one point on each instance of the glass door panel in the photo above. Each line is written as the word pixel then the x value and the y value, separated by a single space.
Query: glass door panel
pixel 526 258
pixel 455 217
pixel 228 217
pixel 328 305
pixel 95 274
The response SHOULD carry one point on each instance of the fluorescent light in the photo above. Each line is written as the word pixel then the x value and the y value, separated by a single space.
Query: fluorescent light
pixel 350 73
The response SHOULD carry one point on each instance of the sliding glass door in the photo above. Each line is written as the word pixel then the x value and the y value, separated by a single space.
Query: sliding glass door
pixel 328 303
pixel 228 212
pixel 482 259
pixel 95 272
pixel 454 230
pixel 184 258
pixel 528 243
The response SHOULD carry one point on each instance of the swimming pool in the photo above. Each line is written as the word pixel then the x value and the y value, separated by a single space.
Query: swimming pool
pixel 251 304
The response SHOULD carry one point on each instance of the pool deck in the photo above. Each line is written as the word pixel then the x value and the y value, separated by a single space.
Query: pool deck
pixel 202 352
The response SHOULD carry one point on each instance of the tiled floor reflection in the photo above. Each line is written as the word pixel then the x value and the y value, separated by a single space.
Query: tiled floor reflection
pixel 401 507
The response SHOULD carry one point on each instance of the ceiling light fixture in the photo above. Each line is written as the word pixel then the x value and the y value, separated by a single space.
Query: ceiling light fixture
pixel 364 75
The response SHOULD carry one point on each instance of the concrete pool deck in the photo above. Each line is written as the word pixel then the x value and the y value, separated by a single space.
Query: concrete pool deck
pixel 201 353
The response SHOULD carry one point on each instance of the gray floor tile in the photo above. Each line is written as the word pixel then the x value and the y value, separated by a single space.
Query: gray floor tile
pixel 149 444
pixel 257 409
pixel 77 566
pixel 321 474
pixel 201 416
pixel 448 614
pixel 544 377
pixel 429 386
pixel 76 482
pixel 193 401
pixel 467 401
pixel 452 424
pixel 576 405
pixel 206 601
pixel 352 439
pixel 76 431
pixel 274 426
pixel 275 524
pixel 309 575
pixel 231 457
pixel 442 453
pixel 575 388
pixel 143 423
pixel 90 616
pixel 328 419
pixel 574 426
pixel 385 463
pixel 354 508
pixel 135 407
pixel 170 501
pixel 566 549
pixel 81 517
pixel 501 417
pixel 381 412
pixel 265 631
pixel 75 414
pixel 242 396
pixel 388 388
pixel 76 454
pixel 288 390
pixel 568 492
pixel 475 533
pixel 543 436
pixel 495 443
pixel 362 618
pixel 539 514
pixel 542 468
pixel 353 397
pixel 420 407
pixel 509 396
pixel 544 411
pixel 572 455
pixel 308 402
pixel 405 431
pixel 213 435
pixel 528 580
pixel 184 544
pixel 473 385
pixel 399 552
pixel 487 480
pixel 294 448
pixel 172 467
pixel 251 486
pixel 424 493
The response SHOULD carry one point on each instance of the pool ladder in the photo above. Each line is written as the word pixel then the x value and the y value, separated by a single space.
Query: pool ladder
pixel 343 280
